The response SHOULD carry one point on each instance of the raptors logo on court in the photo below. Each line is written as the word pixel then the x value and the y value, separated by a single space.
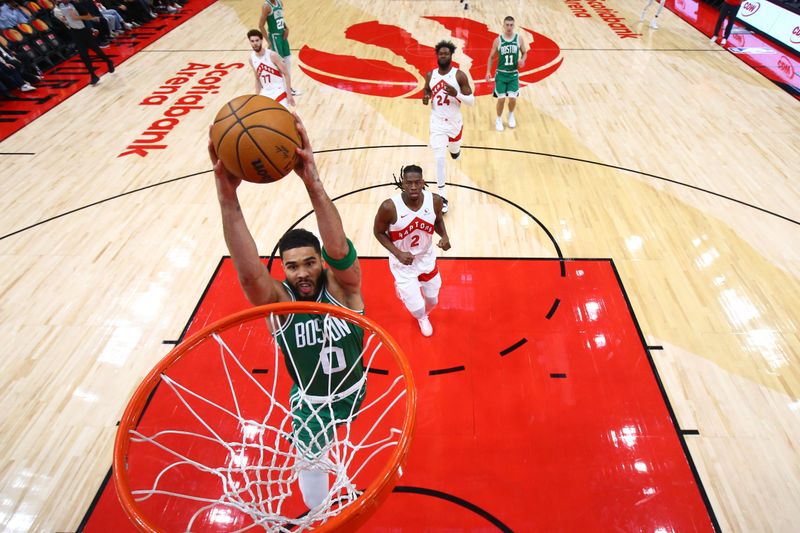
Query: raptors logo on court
pixel 381 78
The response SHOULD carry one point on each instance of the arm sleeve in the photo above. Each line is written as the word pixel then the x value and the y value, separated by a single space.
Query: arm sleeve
pixel 468 99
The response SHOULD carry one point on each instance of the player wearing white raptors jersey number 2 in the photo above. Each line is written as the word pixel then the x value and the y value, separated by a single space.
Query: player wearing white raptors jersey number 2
pixel 446 88
pixel 404 225
pixel 272 76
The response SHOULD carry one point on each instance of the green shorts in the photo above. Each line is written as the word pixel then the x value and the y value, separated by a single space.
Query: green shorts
pixel 506 84
pixel 314 424
pixel 279 44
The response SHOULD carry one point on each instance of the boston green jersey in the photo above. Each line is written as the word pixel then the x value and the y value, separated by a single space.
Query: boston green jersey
pixel 322 354
pixel 508 54
pixel 275 19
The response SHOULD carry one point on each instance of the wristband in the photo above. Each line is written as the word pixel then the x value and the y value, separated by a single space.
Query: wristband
pixel 346 261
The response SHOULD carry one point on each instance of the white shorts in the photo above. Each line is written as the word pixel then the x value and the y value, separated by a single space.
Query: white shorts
pixel 279 95
pixel 444 133
pixel 408 287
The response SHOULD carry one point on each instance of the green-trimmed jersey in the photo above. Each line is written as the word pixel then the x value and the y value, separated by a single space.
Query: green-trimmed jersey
pixel 275 21
pixel 508 54
pixel 322 354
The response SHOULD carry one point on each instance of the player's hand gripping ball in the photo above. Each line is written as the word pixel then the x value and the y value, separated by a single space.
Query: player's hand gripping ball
pixel 255 137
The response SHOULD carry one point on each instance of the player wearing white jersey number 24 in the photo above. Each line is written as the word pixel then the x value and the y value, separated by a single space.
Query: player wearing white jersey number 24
pixel 446 88
pixel 404 225
pixel 272 74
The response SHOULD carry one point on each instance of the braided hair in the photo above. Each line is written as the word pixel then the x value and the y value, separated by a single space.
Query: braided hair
pixel 398 182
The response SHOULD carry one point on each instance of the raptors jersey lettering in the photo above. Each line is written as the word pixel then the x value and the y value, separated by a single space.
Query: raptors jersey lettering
pixel 412 232
pixel 270 77
pixel 445 109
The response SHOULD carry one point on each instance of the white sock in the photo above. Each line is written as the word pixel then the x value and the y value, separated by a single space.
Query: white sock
pixel 440 173
pixel 314 486
pixel 430 303
pixel 419 314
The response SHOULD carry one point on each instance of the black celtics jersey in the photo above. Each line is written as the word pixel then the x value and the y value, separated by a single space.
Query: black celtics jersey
pixel 322 353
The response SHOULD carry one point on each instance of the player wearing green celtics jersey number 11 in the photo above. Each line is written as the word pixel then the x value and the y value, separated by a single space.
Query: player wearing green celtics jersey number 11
pixel 511 50
pixel 273 27
pixel 323 355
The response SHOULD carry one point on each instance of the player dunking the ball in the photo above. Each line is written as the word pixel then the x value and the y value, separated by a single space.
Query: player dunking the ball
pixel 319 399
pixel 404 225
pixel 272 74
pixel 446 88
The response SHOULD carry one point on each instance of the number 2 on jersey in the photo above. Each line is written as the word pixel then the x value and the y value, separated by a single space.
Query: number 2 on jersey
pixel 414 240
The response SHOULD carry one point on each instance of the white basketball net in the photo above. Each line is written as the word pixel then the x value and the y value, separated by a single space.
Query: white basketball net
pixel 263 462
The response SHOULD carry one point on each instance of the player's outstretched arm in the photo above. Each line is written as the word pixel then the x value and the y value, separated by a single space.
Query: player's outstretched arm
pixel 257 284
pixel 438 224
pixel 341 255
pixel 386 215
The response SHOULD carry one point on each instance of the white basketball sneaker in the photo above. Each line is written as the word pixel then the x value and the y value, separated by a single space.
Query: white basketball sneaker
pixel 723 41
pixel 653 24
pixel 425 326
pixel 512 122
pixel 445 205
pixel 498 124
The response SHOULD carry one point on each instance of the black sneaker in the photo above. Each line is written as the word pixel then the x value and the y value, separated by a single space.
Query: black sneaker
pixel 94 80
pixel 110 67
pixel 455 155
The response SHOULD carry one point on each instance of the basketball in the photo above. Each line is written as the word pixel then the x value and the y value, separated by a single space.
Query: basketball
pixel 255 137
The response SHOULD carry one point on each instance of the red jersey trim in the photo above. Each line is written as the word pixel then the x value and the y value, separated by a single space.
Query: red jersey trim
pixel 430 275
pixel 457 137
pixel 416 224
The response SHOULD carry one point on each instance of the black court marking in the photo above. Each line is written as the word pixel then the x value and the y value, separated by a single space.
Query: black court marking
pixel 170 342
pixel 698 481
pixel 553 308
pixel 562 264
pixel 655 347
pixel 560 376
pixel 402 489
pixel 56 217
pixel 513 347
pixel 690 432
pixel 446 370
pixel 260 370
pixel 378 371
pixel 625 169
pixel 527 152
pixel 17 153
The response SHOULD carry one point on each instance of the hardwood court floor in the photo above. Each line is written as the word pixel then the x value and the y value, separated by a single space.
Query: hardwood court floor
pixel 662 152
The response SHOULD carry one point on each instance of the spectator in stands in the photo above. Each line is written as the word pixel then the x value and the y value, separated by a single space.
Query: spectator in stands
pixel 11 77
pixel 134 12
pixel 29 72
pixel 115 21
pixel 82 36
pixel 10 15
pixel 97 22
pixel 728 10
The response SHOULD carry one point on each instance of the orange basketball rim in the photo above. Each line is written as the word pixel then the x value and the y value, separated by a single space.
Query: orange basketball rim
pixel 351 516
